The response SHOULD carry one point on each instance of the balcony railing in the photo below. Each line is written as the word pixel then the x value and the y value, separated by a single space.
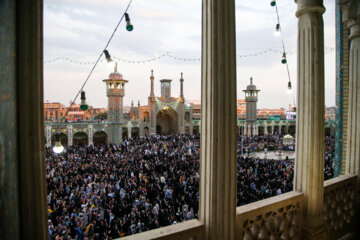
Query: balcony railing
pixel 189 230
pixel 273 218
pixel 339 205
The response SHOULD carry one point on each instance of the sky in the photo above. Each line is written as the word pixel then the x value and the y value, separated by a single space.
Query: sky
pixel 79 30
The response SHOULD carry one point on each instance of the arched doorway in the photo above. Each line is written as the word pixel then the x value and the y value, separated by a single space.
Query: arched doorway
pixel 167 121
pixel 242 130
pixel 124 133
pixel 146 117
pixel 135 132
pixel 327 131
pixel 269 130
pixel 261 130
pixel 276 129
pixel 63 139
pixel 146 131
pixel 187 117
pixel 80 139
pixel 99 138
pixel 292 129
pixel 283 130
pixel 196 130
pixel 332 130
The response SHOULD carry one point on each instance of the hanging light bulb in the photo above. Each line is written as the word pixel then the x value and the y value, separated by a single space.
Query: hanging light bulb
pixel 289 90
pixel 283 59
pixel 58 148
pixel 273 3
pixel 83 104
pixel 277 30
pixel 107 56
pixel 129 26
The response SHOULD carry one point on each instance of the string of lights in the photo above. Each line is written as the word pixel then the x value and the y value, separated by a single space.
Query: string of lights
pixel 58 148
pixel 278 32
pixel 167 54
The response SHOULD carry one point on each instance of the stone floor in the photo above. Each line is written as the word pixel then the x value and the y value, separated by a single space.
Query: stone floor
pixel 274 155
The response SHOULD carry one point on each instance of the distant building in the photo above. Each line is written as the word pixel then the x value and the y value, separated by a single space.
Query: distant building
pixel 56 111
pixel 196 108
pixel 330 113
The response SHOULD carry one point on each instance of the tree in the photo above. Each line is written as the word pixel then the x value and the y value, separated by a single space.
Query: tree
pixel 103 115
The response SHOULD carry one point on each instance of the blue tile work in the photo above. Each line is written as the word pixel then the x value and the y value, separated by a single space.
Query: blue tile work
pixel 339 92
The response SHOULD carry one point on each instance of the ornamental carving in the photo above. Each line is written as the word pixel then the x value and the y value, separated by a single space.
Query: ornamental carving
pixel 339 204
pixel 283 223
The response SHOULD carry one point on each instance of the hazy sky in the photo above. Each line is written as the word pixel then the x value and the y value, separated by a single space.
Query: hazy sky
pixel 80 29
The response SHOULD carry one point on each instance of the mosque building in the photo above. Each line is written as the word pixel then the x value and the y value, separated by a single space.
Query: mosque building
pixel 315 209
pixel 162 114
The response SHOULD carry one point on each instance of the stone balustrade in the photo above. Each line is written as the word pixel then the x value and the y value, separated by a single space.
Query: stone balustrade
pixel 273 218
pixel 189 230
pixel 339 204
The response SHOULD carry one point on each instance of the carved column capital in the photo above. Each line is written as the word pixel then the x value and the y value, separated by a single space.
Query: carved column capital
pixel 309 6
pixel 351 16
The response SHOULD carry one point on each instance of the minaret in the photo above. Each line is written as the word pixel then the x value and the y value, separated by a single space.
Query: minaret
pixel 138 111
pixel 115 91
pixel 251 98
pixel 152 84
pixel 165 88
pixel 181 86
pixel 132 103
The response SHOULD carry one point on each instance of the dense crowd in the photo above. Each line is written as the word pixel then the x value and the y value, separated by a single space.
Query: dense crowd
pixel 261 143
pixel 105 192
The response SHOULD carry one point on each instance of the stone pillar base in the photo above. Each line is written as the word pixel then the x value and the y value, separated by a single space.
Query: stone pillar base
pixel 314 233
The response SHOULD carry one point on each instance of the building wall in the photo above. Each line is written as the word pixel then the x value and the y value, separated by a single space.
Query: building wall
pixel 342 92
pixel 55 111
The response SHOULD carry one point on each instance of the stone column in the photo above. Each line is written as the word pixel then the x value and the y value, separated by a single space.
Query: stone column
pixel 48 136
pixel 280 129
pixel 351 17
pixel 218 120
pixel 245 130
pixel 153 119
pixel 90 135
pixel 272 129
pixel 309 166
pixel 200 127
pixel 265 130
pixel 141 129
pixel 129 131
pixel 70 135
pixel 181 118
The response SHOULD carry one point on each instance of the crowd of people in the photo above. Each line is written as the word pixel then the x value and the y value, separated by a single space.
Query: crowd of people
pixel 110 191
pixel 262 143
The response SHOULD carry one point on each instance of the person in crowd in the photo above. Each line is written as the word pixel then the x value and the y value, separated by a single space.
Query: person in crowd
pixel 111 191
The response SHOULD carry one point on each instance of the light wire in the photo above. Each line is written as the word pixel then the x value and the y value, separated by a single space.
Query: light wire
pixel 283 46
pixel 97 61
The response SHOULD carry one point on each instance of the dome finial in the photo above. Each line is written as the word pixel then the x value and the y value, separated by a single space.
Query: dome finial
pixel 115 68
pixel 251 80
